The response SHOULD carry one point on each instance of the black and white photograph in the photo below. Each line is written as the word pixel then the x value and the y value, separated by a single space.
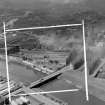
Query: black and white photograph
pixel 52 52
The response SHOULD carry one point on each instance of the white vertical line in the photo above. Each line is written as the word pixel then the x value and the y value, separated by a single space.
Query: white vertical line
pixel 85 61
pixel 7 62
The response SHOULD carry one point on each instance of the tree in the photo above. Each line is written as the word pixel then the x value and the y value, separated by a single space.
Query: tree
pixel 73 54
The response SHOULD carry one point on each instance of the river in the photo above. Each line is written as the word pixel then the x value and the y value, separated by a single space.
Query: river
pixel 26 75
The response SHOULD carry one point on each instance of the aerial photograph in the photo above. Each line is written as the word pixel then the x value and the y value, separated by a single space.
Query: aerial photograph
pixel 52 52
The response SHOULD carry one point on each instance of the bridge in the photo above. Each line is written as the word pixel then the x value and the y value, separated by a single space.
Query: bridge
pixel 49 77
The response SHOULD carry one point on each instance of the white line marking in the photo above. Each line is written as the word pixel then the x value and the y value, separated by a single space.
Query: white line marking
pixel 43 27
pixel 68 25
pixel 7 62
pixel 48 92
pixel 85 58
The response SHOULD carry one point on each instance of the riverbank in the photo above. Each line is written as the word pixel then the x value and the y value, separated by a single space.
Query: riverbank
pixel 31 65
pixel 22 73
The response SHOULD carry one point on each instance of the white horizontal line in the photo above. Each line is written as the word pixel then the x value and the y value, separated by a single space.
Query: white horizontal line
pixel 48 92
pixel 43 27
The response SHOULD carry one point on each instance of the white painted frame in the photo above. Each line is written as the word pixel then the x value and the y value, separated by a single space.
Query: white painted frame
pixel 48 27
